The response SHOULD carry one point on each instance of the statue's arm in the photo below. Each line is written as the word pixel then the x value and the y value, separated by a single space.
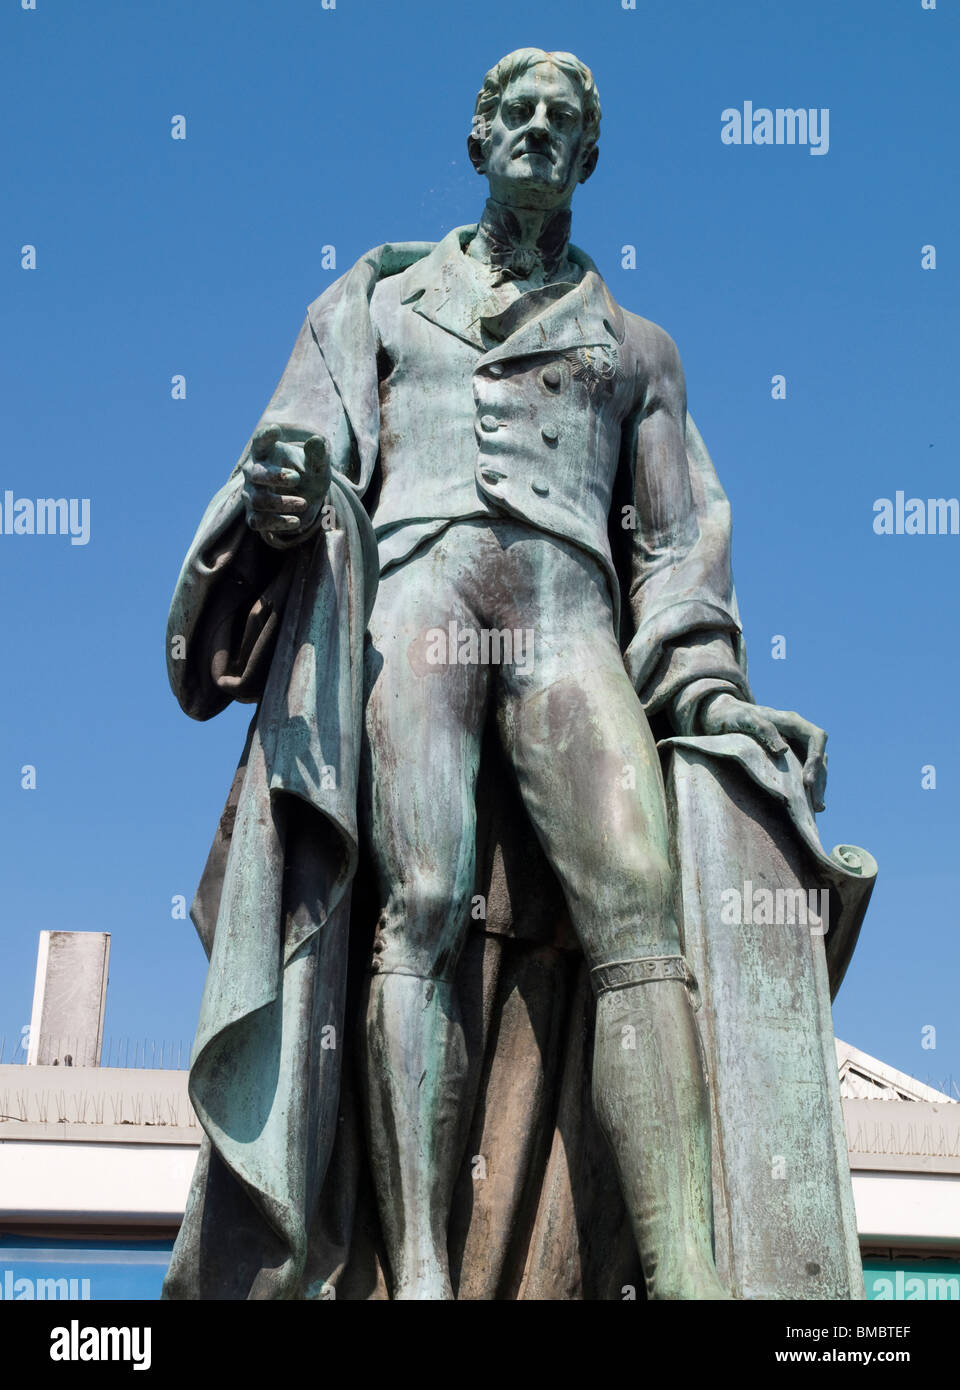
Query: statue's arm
pixel 687 644
pixel 688 653
pixel 232 589
pixel 302 436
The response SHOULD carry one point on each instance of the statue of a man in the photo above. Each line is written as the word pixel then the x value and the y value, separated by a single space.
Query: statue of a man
pixel 553 555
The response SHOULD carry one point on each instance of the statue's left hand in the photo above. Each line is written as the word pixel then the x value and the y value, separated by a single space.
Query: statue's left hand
pixel 773 729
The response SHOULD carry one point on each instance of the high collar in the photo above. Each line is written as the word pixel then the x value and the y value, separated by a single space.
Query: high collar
pixel 510 258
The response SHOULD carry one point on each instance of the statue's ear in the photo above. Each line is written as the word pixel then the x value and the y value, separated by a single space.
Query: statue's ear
pixel 475 151
pixel 589 164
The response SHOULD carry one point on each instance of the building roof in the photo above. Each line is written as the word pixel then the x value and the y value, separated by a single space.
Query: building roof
pixel 863 1077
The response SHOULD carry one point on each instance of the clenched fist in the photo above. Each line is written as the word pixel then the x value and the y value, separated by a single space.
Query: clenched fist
pixel 285 486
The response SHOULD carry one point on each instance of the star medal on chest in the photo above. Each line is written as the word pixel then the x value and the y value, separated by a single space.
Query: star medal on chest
pixel 597 367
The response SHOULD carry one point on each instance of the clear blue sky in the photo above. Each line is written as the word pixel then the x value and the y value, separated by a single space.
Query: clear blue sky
pixel 308 127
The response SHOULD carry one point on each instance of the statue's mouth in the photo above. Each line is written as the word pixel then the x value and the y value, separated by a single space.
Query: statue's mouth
pixel 535 154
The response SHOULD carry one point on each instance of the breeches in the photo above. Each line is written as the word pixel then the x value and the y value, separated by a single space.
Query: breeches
pixel 437 663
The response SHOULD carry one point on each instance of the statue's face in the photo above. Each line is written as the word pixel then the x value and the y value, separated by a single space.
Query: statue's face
pixel 532 158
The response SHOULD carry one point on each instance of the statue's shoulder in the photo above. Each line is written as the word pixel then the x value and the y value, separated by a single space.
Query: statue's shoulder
pixel 651 342
pixel 375 265
pixel 395 256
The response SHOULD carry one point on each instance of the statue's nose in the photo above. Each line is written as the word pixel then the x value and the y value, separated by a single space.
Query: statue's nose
pixel 539 125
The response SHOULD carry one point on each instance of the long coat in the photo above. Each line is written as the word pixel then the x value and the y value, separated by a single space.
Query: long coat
pixel 280 1205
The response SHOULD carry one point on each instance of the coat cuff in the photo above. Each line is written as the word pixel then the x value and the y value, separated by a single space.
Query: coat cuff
pixel 685 706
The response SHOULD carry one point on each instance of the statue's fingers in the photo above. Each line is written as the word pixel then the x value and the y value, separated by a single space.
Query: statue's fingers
pixel 766 733
pixel 316 450
pixel 264 440
pixel 317 458
pixel 278 477
pixel 808 742
pixel 793 726
pixel 815 769
pixel 272 521
pixel 815 788
pixel 822 785
pixel 817 747
pixel 289 455
pixel 263 500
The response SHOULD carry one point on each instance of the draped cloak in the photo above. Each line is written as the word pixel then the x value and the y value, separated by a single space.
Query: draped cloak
pixel 281 1204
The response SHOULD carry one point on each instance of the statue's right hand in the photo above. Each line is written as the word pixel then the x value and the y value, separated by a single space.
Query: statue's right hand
pixel 285 485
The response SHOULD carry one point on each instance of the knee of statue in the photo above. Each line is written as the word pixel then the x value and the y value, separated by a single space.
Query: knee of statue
pixel 428 903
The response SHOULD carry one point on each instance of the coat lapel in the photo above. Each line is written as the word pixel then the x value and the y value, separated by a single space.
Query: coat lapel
pixel 583 317
pixel 443 289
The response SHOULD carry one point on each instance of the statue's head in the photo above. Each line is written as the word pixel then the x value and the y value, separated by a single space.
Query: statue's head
pixel 535 128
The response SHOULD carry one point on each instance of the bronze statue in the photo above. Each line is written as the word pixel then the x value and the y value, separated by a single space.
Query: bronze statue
pixel 473 563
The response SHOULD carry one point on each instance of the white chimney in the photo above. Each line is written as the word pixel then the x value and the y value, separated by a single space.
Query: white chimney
pixel 69 997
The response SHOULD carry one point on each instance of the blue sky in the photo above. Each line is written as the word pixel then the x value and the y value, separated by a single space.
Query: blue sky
pixel 309 127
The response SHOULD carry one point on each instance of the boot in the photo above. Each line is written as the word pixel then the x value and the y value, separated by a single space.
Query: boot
pixel 651 1099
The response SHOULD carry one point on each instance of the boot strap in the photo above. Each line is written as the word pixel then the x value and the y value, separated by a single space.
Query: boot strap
pixel 621 973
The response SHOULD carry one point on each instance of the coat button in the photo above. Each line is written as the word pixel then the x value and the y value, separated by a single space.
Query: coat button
pixel 550 433
pixel 540 487
pixel 489 423
pixel 495 369
pixel 551 377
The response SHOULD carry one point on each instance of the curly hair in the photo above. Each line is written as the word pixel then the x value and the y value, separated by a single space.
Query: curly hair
pixel 501 74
